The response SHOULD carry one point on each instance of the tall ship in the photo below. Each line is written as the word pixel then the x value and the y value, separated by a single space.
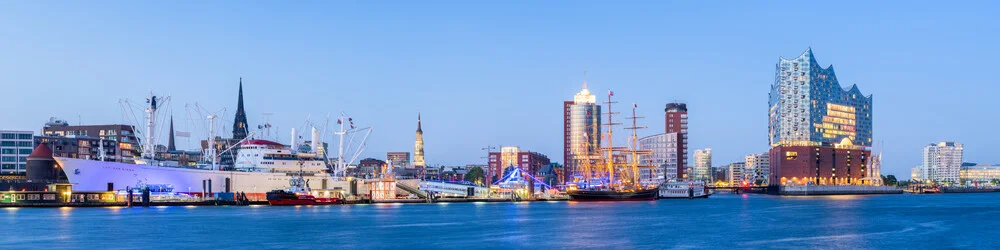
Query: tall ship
pixel 259 165
pixel 613 173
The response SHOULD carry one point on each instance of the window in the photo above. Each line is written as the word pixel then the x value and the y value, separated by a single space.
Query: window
pixel 24 136
pixel 791 155
pixel 7 136
pixel 24 151
pixel 24 144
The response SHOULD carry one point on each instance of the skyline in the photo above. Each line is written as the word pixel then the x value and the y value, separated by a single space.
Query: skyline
pixel 475 78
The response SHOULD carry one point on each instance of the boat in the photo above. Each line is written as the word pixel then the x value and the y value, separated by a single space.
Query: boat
pixel 687 190
pixel 297 195
pixel 260 166
pixel 617 177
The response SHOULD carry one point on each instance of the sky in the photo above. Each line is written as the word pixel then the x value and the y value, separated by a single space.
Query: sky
pixel 485 74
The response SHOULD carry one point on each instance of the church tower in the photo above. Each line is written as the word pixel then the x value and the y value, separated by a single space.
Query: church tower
pixel 240 129
pixel 418 147
pixel 171 147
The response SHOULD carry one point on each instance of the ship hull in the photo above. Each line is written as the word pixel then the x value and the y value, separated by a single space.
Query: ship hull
pixel 90 175
pixel 602 195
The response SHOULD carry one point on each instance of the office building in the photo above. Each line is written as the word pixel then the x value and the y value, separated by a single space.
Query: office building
pixel 979 174
pixel 513 157
pixel 581 132
pixel 676 123
pixel 759 168
pixel 15 146
pixel 819 133
pixel 738 174
pixel 664 154
pixel 942 162
pixel 398 159
pixel 702 165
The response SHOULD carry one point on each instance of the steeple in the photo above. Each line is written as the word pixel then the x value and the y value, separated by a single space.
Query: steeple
pixel 240 129
pixel 418 146
pixel 170 141
pixel 418 124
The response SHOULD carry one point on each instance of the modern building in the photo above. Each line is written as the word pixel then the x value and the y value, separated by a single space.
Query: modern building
pixel 398 159
pixel 720 174
pixel 418 147
pixel 128 147
pixel 79 147
pixel 513 157
pixel 819 133
pixel 979 173
pixel 942 162
pixel 664 155
pixel 15 146
pixel 759 168
pixel 917 174
pixel 738 173
pixel 581 132
pixel 676 123
pixel 702 165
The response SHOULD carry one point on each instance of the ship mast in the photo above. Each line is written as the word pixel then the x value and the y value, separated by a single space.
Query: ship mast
pixel 633 143
pixel 610 160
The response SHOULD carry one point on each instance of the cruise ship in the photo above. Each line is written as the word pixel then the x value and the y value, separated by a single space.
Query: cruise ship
pixel 260 166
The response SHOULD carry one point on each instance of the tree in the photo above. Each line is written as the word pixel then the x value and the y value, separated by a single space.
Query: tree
pixel 890 180
pixel 476 175
pixel 995 182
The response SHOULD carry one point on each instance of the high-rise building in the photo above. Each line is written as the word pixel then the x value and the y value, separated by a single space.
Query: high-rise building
pixel 676 122
pixel 819 132
pixel 240 129
pixel 581 132
pixel 702 165
pixel 398 159
pixel 418 147
pixel 664 154
pixel 942 162
pixel 15 146
pixel 759 168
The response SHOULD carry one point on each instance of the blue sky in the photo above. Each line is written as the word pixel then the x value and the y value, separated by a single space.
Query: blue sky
pixel 490 73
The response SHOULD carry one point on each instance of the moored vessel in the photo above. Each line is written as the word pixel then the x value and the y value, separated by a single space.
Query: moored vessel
pixel 687 190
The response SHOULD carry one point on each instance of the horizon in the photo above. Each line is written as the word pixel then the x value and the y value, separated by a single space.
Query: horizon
pixel 488 75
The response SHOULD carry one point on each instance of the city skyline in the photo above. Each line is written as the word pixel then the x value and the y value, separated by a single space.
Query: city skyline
pixel 449 64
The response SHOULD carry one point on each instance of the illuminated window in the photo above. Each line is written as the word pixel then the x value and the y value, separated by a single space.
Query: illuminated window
pixel 791 155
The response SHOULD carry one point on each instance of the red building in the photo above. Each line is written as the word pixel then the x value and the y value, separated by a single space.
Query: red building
pixel 818 165
pixel 676 121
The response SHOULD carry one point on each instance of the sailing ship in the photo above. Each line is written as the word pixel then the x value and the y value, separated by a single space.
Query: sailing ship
pixel 616 177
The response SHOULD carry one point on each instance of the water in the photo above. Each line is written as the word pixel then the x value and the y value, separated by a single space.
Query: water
pixel 723 221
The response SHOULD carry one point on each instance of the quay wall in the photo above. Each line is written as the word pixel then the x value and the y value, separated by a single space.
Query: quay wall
pixel 837 190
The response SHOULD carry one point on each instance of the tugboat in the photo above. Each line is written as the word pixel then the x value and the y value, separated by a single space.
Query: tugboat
pixel 297 195
pixel 619 178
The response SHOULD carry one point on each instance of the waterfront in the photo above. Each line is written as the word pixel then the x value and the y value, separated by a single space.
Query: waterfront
pixel 726 221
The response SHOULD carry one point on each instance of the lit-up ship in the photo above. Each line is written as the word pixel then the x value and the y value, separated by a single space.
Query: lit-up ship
pixel 261 166
pixel 615 177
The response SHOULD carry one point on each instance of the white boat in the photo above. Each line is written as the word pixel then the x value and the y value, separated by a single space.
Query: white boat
pixel 260 166
pixel 689 190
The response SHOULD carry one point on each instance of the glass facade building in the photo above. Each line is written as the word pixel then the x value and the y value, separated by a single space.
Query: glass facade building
pixel 581 131
pixel 15 146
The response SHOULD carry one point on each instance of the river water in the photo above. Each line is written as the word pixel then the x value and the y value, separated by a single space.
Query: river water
pixel 722 221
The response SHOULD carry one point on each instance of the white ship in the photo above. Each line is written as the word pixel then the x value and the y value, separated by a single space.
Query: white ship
pixel 694 189
pixel 260 166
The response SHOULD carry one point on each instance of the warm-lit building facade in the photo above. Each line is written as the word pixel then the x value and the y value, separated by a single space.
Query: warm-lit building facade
pixel 980 173
pixel 758 168
pixel 819 132
pixel 676 123
pixel 738 173
pixel 581 132
pixel 398 159
pixel 124 135
pixel 510 156
pixel 664 154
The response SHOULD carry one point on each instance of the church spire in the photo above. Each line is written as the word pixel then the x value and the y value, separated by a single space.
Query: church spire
pixel 170 141
pixel 240 128
pixel 418 123
pixel 418 147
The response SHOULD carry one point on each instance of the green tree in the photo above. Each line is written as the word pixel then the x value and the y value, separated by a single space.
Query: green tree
pixel 476 175
pixel 995 182
pixel 890 180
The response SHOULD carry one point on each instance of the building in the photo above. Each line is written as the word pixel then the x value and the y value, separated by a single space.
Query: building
pixel 418 147
pixel 759 168
pixel 240 127
pixel 369 168
pixel 664 154
pixel 702 170
pixel 720 173
pixel 819 133
pixel 980 174
pixel 127 150
pixel 398 159
pixel 512 156
pixel 942 162
pixel 676 123
pixel 581 132
pixel 15 146
pixel 738 173
pixel 917 174
pixel 79 147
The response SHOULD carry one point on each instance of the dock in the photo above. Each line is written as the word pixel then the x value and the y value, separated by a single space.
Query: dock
pixel 837 190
